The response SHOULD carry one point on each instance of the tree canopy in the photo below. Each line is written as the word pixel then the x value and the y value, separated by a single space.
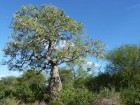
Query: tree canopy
pixel 124 57
pixel 45 37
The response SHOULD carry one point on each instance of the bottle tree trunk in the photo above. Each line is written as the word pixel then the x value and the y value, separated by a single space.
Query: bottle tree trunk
pixel 55 84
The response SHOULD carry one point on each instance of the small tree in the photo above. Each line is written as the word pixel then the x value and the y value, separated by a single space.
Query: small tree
pixel 124 57
pixel 125 62
pixel 45 37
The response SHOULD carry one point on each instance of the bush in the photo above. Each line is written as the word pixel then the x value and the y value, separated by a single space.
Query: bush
pixel 28 88
pixel 8 101
pixel 130 96
pixel 107 97
pixel 73 96
pixel 104 80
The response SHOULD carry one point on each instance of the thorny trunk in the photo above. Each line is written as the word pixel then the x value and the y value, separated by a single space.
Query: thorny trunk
pixel 55 84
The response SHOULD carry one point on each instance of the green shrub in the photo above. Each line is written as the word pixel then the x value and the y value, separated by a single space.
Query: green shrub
pixel 107 97
pixel 8 101
pixel 130 96
pixel 107 93
pixel 73 96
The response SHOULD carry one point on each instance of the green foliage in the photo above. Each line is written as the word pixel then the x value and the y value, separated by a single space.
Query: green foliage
pixel 44 37
pixel 123 57
pixel 125 62
pixel 130 96
pixel 37 35
pixel 103 80
pixel 108 93
pixel 80 82
pixel 29 87
pixel 35 43
pixel 7 86
pixel 107 97
pixel 74 91
pixel 78 76
pixel 74 96
pixel 8 101
pixel 66 75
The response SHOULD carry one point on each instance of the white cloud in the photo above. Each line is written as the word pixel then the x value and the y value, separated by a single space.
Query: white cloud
pixel 61 44
pixel 2 75
pixel 96 65
pixel 64 43
pixel 90 64
pixel 11 73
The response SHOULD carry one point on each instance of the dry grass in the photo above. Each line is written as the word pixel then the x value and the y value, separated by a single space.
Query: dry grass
pixel 105 101
pixel 107 97
pixel 39 103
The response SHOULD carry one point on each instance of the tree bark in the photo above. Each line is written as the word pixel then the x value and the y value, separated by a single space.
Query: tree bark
pixel 55 84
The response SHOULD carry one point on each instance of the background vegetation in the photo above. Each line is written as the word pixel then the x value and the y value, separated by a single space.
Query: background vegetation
pixel 37 32
pixel 118 85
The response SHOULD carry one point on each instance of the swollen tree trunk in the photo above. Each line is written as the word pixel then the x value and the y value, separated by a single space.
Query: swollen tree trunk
pixel 55 84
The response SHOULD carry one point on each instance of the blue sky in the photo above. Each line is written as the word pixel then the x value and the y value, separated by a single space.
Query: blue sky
pixel 115 22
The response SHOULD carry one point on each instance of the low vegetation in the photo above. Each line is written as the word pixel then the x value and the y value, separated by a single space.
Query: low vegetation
pixel 118 85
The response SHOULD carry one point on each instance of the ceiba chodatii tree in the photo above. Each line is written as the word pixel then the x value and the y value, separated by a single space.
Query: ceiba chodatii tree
pixel 36 38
